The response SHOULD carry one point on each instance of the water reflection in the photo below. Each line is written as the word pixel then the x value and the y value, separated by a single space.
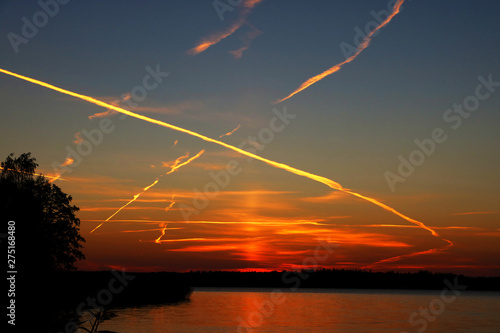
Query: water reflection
pixel 248 310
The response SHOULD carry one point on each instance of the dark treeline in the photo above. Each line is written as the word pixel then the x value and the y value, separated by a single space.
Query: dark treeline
pixel 164 287
pixel 120 288
pixel 343 279
pixel 68 294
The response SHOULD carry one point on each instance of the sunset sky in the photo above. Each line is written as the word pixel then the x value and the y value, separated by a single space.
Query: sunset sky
pixel 430 75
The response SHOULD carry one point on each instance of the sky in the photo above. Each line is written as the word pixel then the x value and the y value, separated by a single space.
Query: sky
pixel 410 121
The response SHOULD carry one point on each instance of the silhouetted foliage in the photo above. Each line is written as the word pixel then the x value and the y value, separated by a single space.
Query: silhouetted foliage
pixel 45 212
pixel 47 241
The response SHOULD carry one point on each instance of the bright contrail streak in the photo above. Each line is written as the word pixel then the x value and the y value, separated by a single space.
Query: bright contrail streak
pixel 328 182
pixel 178 160
pixel 230 133
pixel 392 210
pixel 364 44
pixel 177 165
pixel 128 203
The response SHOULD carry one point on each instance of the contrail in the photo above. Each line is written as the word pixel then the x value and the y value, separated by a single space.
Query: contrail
pixel 328 182
pixel 364 44
pixel 396 258
pixel 128 203
pixel 164 225
pixel 67 161
pixel 230 132
pixel 247 40
pixel 171 164
pixel 176 165
pixel 53 178
pixel 218 36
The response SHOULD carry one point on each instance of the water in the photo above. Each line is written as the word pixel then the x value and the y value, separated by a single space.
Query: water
pixel 312 310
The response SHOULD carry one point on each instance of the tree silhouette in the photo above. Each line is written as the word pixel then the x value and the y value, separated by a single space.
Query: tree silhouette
pixel 47 240
pixel 44 210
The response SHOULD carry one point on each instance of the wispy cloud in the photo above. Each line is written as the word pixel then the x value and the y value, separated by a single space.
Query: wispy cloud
pixel 214 38
pixel 247 41
pixel 474 213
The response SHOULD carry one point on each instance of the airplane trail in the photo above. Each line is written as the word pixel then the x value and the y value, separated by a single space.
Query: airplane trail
pixel 214 38
pixel 230 132
pixel 67 161
pixel 128 203
pixel 164 225
pixel 171 164
pixel 176 165
pixel 326 181
pixel 413 254
pixel 52 178
pixel 364 44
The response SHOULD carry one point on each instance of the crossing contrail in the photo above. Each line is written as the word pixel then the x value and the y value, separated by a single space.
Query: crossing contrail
pixel 175 166
pixel 326 181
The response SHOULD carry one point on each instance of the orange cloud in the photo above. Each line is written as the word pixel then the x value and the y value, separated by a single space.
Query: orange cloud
pixel 78 138
pixel 474 213
pixel 206 248
pixel 68 161
pixel 335 195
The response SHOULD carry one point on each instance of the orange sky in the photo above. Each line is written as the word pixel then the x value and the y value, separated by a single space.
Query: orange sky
pixel 256 225
pixel 211 79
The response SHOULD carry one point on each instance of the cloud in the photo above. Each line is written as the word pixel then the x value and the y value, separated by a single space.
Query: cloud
pixel 474 213
pixel 247 41
pixel 216 37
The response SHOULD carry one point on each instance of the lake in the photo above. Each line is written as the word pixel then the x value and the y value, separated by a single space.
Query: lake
pixel 316 310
